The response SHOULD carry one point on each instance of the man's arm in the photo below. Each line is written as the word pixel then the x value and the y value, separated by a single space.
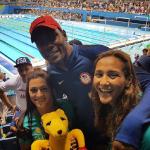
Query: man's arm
pixel 142 70
pixel 143 77
pixel 131 130
pixel 92 51
pixel 9 84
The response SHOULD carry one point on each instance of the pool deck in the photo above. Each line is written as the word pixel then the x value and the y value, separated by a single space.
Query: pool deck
pixel 142 38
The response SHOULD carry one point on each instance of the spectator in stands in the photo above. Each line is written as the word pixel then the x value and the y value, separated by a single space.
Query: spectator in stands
pixel 145 50
pixel 112 6
pixel 39 101
pixel 3 108
pixel 4 101
pixel 75 41
pixel 115 92
pixel 18 84
pixel 70 69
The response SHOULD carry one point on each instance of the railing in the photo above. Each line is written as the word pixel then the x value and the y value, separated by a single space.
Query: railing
pixel 123 18
pixel 146 19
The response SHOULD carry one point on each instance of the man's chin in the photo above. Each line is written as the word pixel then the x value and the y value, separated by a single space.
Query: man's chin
pixel 55 61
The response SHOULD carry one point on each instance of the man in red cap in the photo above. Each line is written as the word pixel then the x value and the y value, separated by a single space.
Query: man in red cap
pixel 71 71
pixel 46 32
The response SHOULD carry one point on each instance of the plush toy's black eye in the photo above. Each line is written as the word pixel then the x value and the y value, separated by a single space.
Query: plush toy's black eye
pixel 62 118
pixel 48 123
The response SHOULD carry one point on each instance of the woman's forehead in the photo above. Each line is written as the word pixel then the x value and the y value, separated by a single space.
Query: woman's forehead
pixel 110 62
pixel 37 81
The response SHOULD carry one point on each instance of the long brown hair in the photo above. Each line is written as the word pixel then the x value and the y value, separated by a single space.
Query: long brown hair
pixel 37 72
pixel 108 118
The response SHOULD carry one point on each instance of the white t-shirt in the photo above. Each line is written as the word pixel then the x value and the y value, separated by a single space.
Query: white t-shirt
pixel 19 86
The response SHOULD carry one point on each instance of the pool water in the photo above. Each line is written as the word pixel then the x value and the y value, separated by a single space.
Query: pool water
pixel 15 38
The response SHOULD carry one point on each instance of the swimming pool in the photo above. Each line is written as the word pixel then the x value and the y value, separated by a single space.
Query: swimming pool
pixel 15 39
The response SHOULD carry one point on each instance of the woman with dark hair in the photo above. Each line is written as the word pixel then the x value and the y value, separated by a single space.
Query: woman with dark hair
pixel 115 92
pixel 38 93
pixel 39 101
pixel 39 98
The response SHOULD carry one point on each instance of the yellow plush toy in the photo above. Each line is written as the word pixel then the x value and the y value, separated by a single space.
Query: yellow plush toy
pixel 56 125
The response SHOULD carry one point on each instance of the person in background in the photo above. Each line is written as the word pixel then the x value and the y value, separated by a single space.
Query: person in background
pixel 18 84
pixel 3 95
pixel 145 50
pixel 3 108
pixel 70 70
pixel 115 93
pixel 39 101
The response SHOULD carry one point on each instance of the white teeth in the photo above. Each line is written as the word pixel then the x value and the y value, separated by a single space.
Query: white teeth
pixel 105 91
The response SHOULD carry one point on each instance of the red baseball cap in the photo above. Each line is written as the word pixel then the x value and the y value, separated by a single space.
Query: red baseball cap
pixel 46 21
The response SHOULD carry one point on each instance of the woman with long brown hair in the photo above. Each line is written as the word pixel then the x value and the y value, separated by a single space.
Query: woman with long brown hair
pixel 115 92
pixel 39 101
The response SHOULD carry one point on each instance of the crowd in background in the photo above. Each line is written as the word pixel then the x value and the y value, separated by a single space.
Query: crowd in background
pixel 135 7
pixel 55 14
pixel 139 7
